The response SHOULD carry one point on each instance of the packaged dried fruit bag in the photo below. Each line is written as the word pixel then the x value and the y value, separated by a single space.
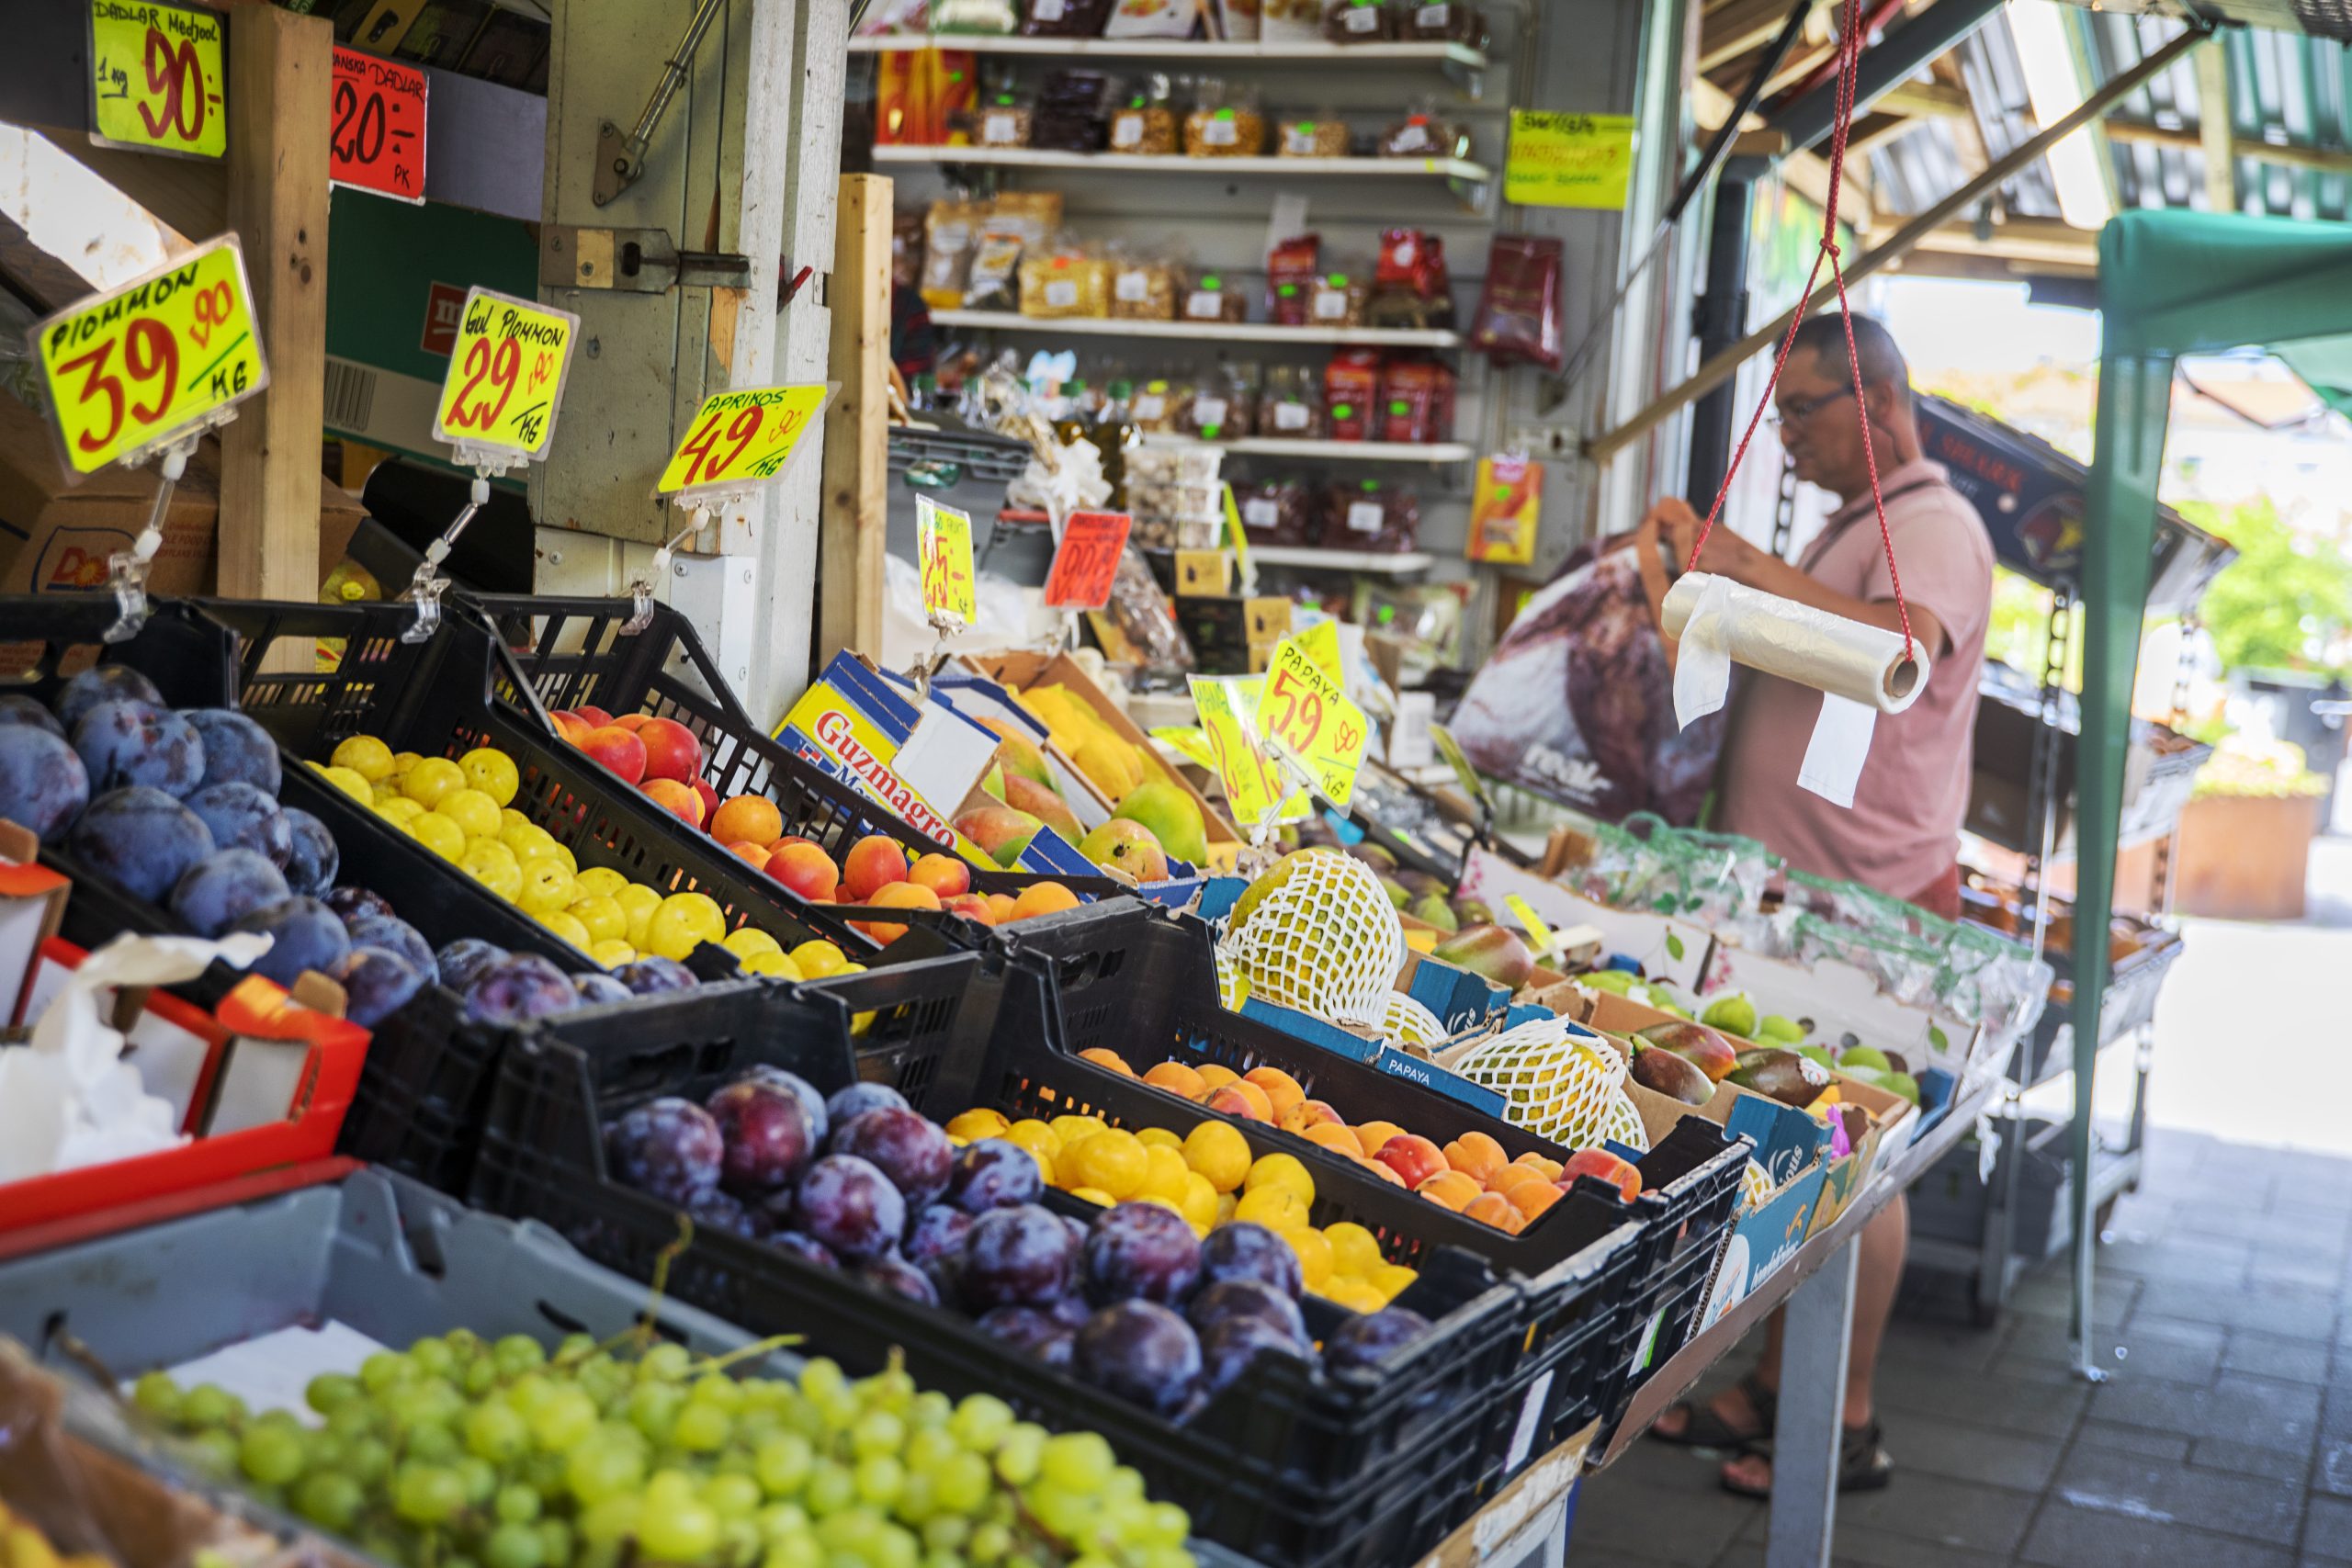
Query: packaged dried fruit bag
pixel 1519 313
pixel 1350 384
pixel 1290 275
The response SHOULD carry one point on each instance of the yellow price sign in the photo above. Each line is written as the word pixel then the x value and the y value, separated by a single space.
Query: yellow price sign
pixel 507 374
pixel 1189 739
pixel 1239 538
pixel 742 438
pixel 156 359
pixel 944 551
pixel 1320 642
pixel 1254 785
pixel 1569 160
pixel 1306 717
pixel 1537 931
pixel 159 78
pixel 1450 749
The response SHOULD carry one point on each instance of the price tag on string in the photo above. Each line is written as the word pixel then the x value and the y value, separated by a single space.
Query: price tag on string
pixel 159 77
pixel 1538 933
pixel 744 438
pixel 1467 776
pixel 1192 740
pixel 1239 538
pixel 1306 717
pixel 1087 560
pixel 944 552
pixel 377 142
pixel 505 379
pixel 155 359
pixel 1254 785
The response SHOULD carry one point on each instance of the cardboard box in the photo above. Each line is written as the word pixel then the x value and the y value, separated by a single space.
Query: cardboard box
pixel 56 535
pixel 1761 1243
pixel 1838 1005
pixel 1669 950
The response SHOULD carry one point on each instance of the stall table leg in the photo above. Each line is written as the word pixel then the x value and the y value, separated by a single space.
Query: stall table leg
pixel 1810 1428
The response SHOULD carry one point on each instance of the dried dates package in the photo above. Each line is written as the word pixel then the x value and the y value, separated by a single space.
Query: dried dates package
pixel 1519 313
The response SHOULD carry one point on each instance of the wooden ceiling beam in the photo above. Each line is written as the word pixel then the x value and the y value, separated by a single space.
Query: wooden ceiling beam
pixel 2319 160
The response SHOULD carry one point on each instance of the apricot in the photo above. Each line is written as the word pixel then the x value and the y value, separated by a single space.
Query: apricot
pixel 1512 1178
pixel 896 895
pixel 752 818
pixel 1214 1077
pixel 1000 905
pixel 1475 1156
pixel 1242 1098
pixel 1532 1198
pixel 1548 1168
pixel 1337 1137
pixel 1452 1188
pixel 1103 1056
pixel 1372 1135
pixel 1280 1090
pixel 1312 1113
pixel 1043 899
pixel 1493 1209
pixel 1177 1079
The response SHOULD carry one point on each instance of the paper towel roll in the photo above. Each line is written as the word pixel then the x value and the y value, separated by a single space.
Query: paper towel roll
pixel 1718 620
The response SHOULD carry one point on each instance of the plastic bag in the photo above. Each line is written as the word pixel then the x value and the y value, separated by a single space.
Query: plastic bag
pixel 1150 18
pixel 950 229
pixel 1290 275
pixel 1350 386
pixel 1358 21
pixel 1518 310
pixel 1369 515
pixel 1416 401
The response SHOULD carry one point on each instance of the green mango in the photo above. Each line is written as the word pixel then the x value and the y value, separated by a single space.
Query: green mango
pixel 1863 1056
pixel 1733 1015
pixel 1772 1026
pixel 1902 1084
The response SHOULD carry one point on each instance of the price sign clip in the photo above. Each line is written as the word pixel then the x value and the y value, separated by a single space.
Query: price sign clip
pixel 127 569
pixel 640 591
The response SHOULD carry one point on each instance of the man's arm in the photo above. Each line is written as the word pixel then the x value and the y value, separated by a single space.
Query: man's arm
pixel 1729 555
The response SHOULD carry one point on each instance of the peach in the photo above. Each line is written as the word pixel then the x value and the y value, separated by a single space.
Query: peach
pixel 972 906
pixel 677 799
pixel 944 875
pixel 1283 1090
pixel 1512 1178
pixel 752 817
pixel 1606 1167
pixel 896 895
pixel 1532 1198
pixel 632 720
pixel 671 749
pixel 750 854
pixel 571 726
pixel 804 868
pixel 1309 1114
pixel 872 863
pixel 616 752
pixel 1475 1156
pixel 1373 1134
pixel 1383 1172
pixel 597 718
pixel 1002 906
pixel 1549 1169
pixel 1338 1137
pixel 1450 1188
pixel 1177 1079
pixel 1103 1056
pixel 1215 1076
pixel 708 795
pixel 1243 1100
pixel 1415 1158
pixel 1043 899
pixel 1493 1209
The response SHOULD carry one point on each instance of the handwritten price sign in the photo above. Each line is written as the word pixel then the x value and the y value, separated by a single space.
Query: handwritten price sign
pixel 1569 160
pixel 1253 782
pixel 1087 560
pixel 505 374
pixel 158 78
pixel 1307 717
pixel 377 143
pixel 944 551
pixel 742 438
pixel 130 369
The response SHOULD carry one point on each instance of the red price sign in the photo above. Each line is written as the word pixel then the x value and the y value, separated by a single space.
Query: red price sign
pixel 377 142
pixel 1087 560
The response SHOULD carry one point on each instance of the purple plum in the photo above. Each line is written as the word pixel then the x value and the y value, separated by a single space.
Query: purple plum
pixel 599 989
pixel 128 741
pixel 243 817
pixel 651 976
pixel 1071 1311
pixel 1027 1329
pixel 1018 1256
pixel 861 1098
pixel 720 1211
pixel 900 1278
pixel 816 1253
pixel 518 988
pixel 236 749
pixel 43 785
pixel 800 1088
pixel 1216 1303
pixel 668 1147
pixel 223 889
pixel 1140 1351
pixel 312 866
pixel 993 1174
pixel 849 1205
pixel 104 683
pixel 394 934
pixel 1228 1350
pixel 304 934
pixel 377 983
pixel 935 1243
pixel 462 962
pixel 1243 1251
pixel 904 1145
pixel 18 708
pixel 351 901
pixel 1141 1250
pixel 1363 1341
pixel 140 839
pixel 767 1136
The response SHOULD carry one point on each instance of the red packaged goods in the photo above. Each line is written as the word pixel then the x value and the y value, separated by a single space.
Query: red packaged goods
pixel 1518 314
pixel 1411 287
pixel 1290 278
pixel 1416 401
pixel 1351 383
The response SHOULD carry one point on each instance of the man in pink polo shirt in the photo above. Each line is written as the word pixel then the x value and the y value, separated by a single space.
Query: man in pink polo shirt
pixel 1902 835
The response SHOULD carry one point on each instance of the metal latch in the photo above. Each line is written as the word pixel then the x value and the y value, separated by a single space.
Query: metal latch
pixel 634 260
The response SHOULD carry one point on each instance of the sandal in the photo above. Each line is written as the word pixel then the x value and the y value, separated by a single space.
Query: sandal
pixel 1862 1465
pixel 1702 1428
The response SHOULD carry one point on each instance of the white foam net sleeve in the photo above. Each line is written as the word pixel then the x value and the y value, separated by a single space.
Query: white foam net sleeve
pixel 1755 1187
pixel 1232 990
pixel 1622 1125
pixel 1403 1021
pixel 1327 941
pixel 1557 1081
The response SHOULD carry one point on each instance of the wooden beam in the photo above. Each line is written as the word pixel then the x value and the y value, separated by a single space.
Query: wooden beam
pixel 1807 173
pixel 1924 100
pixel 1733 29
pixel 2214 125
pixel 857 470
pixel 2018 239
pixel 188 196
pixel 2319 160
pixel 279 74
pixel 1876 129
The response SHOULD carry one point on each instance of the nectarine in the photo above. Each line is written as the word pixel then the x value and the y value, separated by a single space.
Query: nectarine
pixel 804 868
pixel 1215 1076
pixel 616 752
pixel 677 799
pixel 1338 1137
pixel 670 750
pixel 1309 1114
pixel 1103 1056
pixel 1415 1158
pixel 597 718
pixel 1000 904
pixel 944 875
pixel 872 863
pixel 750 854
pixel 571 726
pixel 708 795
pixel 1282 1091
pixel 752 817
pixel 971 906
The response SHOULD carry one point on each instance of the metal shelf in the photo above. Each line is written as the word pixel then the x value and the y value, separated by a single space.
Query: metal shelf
pixel 1339 451
pixel 1447 56
pixel 1394 563
pixel 1176 164
pixel 1218 331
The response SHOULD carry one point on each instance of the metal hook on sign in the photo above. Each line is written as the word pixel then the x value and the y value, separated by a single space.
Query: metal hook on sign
pixel 640 593
pixel 427 586
pixel 127 569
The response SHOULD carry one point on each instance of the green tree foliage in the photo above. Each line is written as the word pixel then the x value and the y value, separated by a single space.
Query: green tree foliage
pixel 2282 604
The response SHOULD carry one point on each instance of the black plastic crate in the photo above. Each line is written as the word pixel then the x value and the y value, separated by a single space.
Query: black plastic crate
pixel 435 698
pixel 570 651
pixel 1290 1467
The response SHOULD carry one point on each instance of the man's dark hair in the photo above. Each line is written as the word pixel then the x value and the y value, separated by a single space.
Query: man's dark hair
pixel 1824 337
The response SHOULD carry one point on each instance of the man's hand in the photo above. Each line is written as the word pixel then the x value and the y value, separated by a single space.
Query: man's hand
pixel 1725 554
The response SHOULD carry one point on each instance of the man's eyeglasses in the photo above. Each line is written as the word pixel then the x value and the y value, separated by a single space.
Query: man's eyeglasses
pixel 1801 409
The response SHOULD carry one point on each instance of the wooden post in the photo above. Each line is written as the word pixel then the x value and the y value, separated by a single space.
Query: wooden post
pixel 857 473
pixel 280 66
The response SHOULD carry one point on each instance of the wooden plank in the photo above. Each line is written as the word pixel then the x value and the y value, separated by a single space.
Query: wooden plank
pixel 279 71
pixel 2320 159
pixel 857 472
pixel 2214 125
pixel 1925 99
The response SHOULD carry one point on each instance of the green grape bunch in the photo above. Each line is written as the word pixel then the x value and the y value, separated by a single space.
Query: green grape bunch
pixel 464 1453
